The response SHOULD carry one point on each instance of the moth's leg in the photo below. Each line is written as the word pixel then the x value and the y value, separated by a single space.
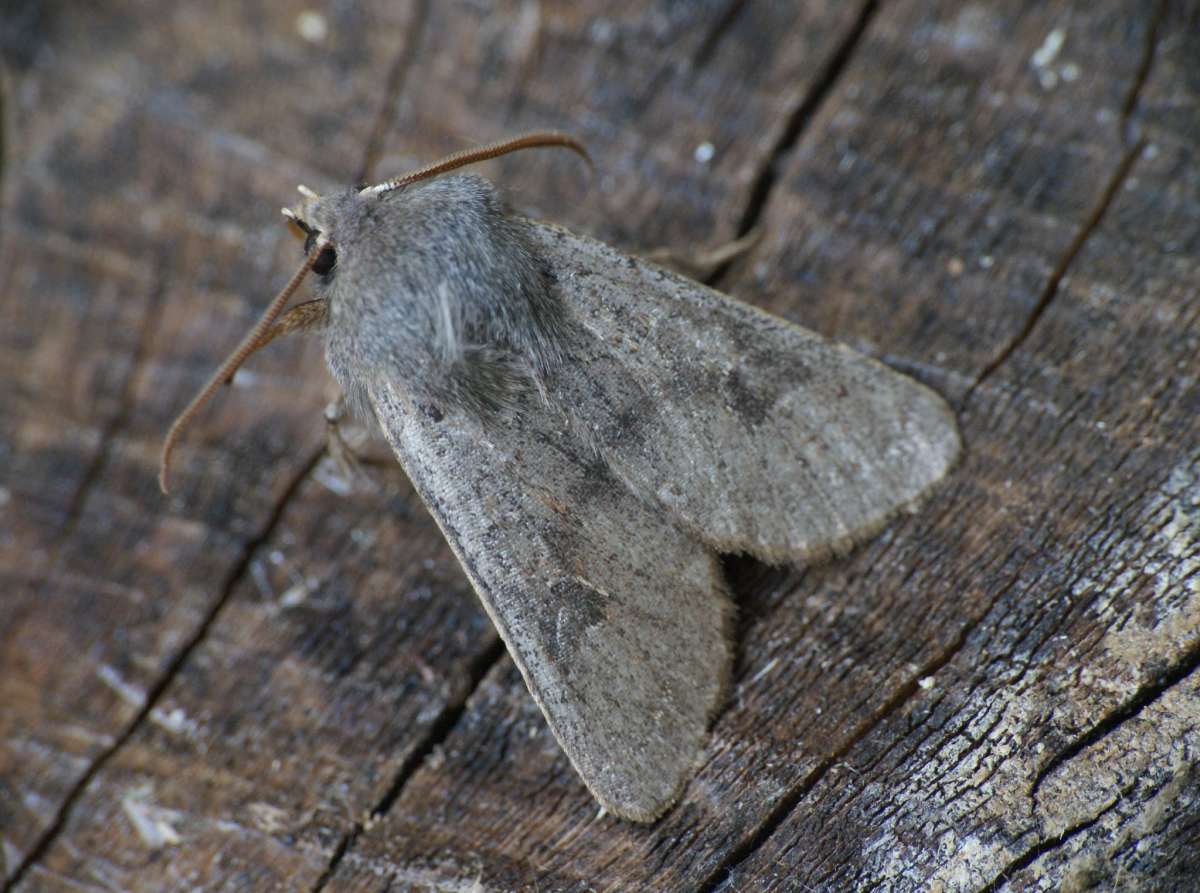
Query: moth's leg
pixel 307 318
pixel 344 456
pixel 705 263
pixel 354 443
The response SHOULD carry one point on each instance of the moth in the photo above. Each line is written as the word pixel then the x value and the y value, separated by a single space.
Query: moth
pixel 590 432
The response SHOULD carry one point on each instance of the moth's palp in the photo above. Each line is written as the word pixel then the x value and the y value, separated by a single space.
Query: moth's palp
pixel 297 227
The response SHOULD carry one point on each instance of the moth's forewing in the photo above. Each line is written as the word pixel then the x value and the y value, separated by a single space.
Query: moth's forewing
pixel 617 619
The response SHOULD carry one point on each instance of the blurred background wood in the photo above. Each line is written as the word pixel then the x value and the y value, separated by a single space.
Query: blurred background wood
pixel 276 679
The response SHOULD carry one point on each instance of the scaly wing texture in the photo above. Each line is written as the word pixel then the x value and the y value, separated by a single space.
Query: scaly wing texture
pixel 757 435
pixel 616 618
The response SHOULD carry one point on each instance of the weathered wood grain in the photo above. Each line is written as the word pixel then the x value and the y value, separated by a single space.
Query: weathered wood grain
pixel 273 681
pixel 132 224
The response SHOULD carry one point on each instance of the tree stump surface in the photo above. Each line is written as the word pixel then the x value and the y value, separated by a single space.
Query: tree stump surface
pixel 272 680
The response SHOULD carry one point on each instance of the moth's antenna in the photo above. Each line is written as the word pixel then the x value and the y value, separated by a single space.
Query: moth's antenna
pixel 482 153
pixel 233 361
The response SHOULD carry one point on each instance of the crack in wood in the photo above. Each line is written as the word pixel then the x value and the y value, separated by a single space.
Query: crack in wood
pixel 439 730
pixel 798 120
pixel 725 871
pixel 1144 697
pixel 396 79
pixel 779 813
pixel 1124 168
pixel 1051 844
pixel 720 28
pixel 642 102
pixel 156 692
pixel 1053 284
pixel 151 321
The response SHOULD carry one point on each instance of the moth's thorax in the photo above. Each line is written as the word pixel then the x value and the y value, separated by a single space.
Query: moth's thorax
pixel 436 284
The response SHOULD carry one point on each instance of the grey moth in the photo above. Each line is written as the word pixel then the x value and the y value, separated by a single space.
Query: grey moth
pixel 590 432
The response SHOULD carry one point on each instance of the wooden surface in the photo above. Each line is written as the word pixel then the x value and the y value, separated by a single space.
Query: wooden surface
pixel 273 681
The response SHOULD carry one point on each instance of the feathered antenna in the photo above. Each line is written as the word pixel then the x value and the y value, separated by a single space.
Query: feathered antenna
pixel 227 369
pixel 481 153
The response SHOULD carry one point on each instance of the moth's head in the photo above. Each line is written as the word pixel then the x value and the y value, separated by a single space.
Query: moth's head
pixel 316 219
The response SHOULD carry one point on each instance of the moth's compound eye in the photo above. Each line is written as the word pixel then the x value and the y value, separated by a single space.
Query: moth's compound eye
pixel 326 260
